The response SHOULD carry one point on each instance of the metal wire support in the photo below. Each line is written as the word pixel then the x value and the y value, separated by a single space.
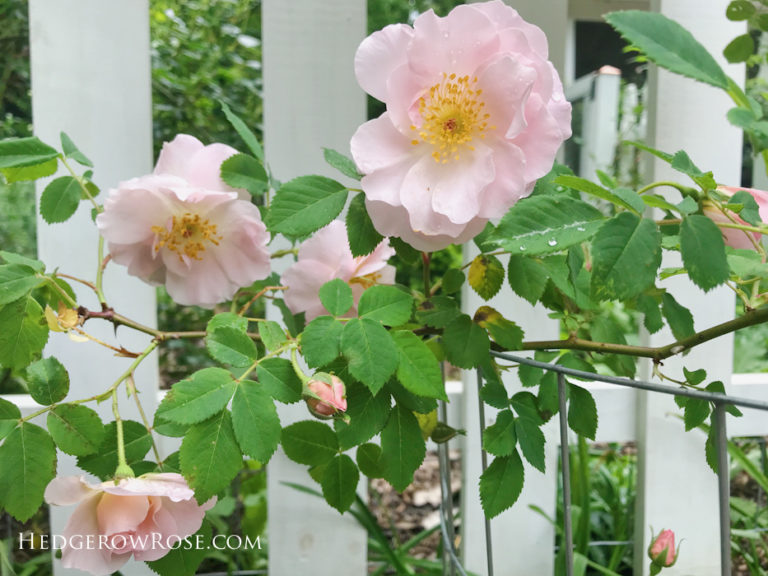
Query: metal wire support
pixel 724 488
pixel 446 500
pixel 484 456
pixel 566 475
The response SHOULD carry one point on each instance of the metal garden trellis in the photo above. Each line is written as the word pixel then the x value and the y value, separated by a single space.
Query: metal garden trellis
pixel 720 402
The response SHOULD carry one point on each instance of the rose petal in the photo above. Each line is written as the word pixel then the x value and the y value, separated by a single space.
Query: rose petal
pixel 175 155
pixel 378 55
pixel 119 513
pixel 67 490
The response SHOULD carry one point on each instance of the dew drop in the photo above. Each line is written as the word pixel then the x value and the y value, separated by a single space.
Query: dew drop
pixel 581 229
pixel 522 248
pixel 560 188
pixel 446 34
pixel 552 242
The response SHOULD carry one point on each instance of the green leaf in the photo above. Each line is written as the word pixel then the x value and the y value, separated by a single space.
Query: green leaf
pixel 544 224
pixel 506 333
pixel 746 263
pixel 205 393
pixel 527 277
pixel 76 429
pixel 486 275
pixel 703 251
pixel 18 152
pixel 418 369
pixel 589 187
pixel 321 341
pixel 438 311
pixel 279 379
pixel 696 413
pixel 668 44
pixel 530 437
pixel 500 439
pixel 48 381
pixel 466 344
pixel 103 462
pixel 16 281
pixel 582 411
pixel 255 421
pixel 306 204
pixel 403 448
pixel 417 404
pixel 60 200
pixel 695 377
pixel 342 163
pixel 652 318
pixel 749 210
pixel 739 49
pixel 30 172
pixel 369 460
pixel 678 316
pixel 339 482
pixel 13 258
pixel 626 252
pixel 367 416
pixel 386 304
pixel 683 163
pixel 184 560
pixel 370 351
pixel 23 332
pixel 309 442
pixel 453 280
pixel 71 151
pixel 231 346
pixel 740 10
pixel 229 320
pixel 501 484
pixel 210 457
pixel 27 464
pixel 246 172
pixel 272 335
pixel 362 235
pixel 336 296
pixel 9 418
pixel 243 131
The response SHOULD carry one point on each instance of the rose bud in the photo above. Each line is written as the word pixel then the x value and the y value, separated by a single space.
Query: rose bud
pixel 326 395
pixel 662 550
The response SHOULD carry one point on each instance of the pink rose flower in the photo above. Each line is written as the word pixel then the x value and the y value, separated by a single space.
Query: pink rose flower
pixel 143 517
pixel 662 549
pixel 733 237
pixel 182 226
pixel 332 397
pixel 475 114
pixel 326 256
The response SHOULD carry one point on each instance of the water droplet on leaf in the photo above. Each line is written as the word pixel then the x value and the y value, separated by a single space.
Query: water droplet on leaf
pixel 552 242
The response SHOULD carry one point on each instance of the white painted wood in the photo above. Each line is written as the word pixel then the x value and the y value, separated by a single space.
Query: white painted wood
pixel 522 540
pixel 91 79
pixel 311 101
pixel 676 489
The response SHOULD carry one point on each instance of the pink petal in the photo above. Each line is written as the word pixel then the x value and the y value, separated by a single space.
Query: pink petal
pixel 506 18
pixel 454 44
pixel 121 513
pixel 140 260
pixel 203 169
pixel 67 490
pixel 303 280
pixel 175 155
pixel 329 245
pixel 378 144
pixel 375 261
pixel 378 55
pixel 506 85
pixel 133 209
pixel 167 484
pixel 509 184
pixel 384 185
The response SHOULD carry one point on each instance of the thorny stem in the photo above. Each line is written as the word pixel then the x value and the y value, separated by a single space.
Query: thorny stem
pixel 60 290
pixel 90 285
pixel 425 260
pixel 100 274
pixel 258 295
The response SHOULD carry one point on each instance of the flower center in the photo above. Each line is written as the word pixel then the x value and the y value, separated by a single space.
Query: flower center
pixel 366 281
pixel 453 117
pixel 187 236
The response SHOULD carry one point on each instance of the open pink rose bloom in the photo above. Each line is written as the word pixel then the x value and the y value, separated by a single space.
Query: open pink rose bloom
pixel 182 226
pixel 475 115
pixel 326 256
pixel 734 237
pixel 143 517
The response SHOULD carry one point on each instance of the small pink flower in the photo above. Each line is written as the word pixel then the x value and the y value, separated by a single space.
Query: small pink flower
pixel 331 397
pixel 662 549
pixel 475 115
pixel 326 256
pixel 143 517
pixel 182 226
pixel 733 237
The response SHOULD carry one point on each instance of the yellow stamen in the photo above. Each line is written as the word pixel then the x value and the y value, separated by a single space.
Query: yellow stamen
pixel 452 117
pixel 187 235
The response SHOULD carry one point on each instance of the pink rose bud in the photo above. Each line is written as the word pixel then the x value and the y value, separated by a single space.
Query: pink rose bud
pixel 734 237
pixel 662 549
pixel 143 517
pixel 330 398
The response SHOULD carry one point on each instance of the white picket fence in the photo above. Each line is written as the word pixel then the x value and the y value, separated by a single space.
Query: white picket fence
pixel 91 78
